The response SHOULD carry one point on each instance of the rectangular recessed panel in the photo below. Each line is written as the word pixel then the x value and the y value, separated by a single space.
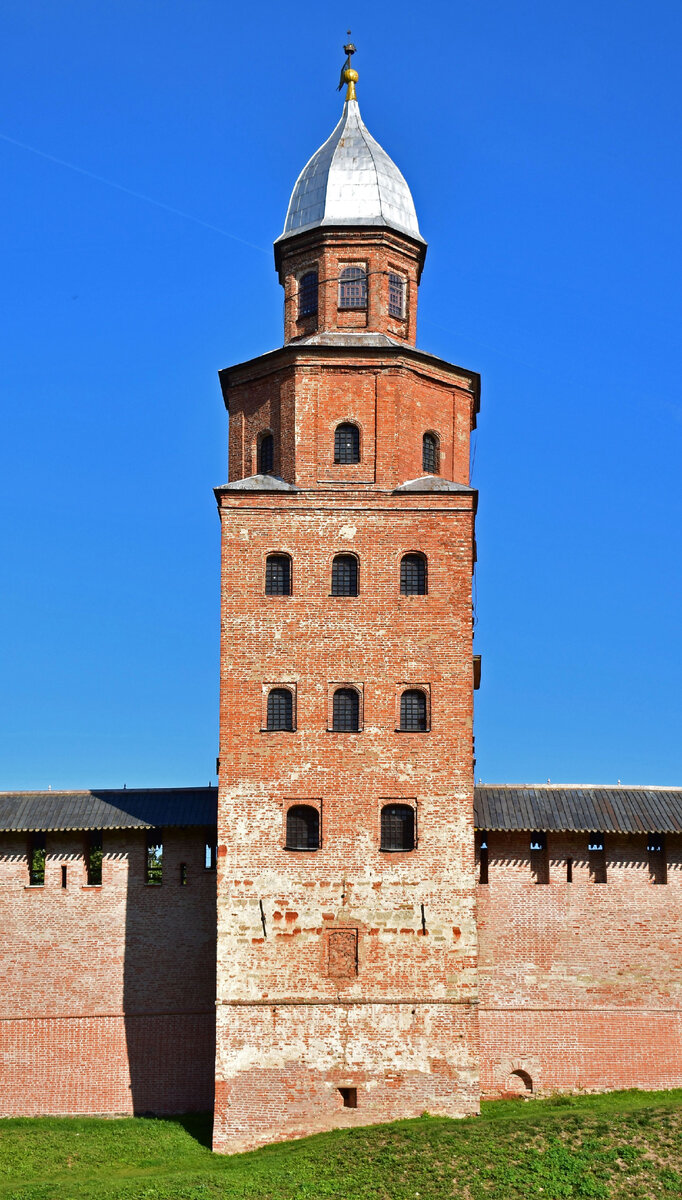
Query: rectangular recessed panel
pixel 342 953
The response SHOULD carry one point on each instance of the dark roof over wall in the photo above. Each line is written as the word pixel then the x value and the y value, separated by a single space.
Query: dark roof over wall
pixel 128 808
pixel 504 807
pixel 600 809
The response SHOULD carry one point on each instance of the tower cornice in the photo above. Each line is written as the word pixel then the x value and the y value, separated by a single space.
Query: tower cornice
pixel 354 354
pixel 348 236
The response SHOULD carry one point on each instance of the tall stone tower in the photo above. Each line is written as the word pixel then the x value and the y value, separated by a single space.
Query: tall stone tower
pixel 346 986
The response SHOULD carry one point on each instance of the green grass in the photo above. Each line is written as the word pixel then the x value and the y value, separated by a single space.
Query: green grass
pixel 620 1145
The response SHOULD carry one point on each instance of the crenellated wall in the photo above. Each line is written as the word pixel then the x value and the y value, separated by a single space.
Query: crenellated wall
pixel 107 991
pixel 581 981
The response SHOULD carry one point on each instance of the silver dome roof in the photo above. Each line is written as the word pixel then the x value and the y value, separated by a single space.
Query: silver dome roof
pixel 350 180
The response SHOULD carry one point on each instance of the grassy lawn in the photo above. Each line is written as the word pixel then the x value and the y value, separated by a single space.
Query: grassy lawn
pixel 626 1144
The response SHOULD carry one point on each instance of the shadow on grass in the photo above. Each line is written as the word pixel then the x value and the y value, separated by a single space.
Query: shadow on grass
pixel 199 1126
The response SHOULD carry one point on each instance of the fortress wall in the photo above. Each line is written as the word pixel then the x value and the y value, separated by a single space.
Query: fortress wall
pixel 580 982
pixel 107 992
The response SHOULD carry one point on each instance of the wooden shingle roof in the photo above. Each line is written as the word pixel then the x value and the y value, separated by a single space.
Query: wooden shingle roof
pixel 550 808
pixel 125 808
pixel 558 807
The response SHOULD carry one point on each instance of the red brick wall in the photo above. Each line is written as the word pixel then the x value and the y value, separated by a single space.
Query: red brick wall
pixel 379 252
pixel 108 993
pixel 580 983
pixel 394 402
pixel 402 1029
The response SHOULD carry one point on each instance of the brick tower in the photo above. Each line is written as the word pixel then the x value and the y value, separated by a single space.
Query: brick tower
pixel 346 984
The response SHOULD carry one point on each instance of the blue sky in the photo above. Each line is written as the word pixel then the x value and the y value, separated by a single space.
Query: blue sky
pixel 147 153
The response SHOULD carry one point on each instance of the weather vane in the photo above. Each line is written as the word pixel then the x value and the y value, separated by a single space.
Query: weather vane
pixel 348 75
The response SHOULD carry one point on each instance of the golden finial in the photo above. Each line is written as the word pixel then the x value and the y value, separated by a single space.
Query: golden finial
pixel 348 75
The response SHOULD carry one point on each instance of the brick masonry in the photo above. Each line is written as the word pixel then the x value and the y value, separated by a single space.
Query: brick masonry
pixel 108 992
pixel 580 982
pixel 349 967
pixel 346 973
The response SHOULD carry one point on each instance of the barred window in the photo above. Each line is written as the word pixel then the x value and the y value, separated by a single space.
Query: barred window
pixel 413 711
pixel 346 711
pixel 266 454
pixel 346 443
pixel 353 288
pixel 396 295
pixel 397 827
pixel 413 575
pixel 303 827
pixel 307 294
pixel 36 860
pixel 278 575
pixel 430 455
pixel 280 710
pixel 345 575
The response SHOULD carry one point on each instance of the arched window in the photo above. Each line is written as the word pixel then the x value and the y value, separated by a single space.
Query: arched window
pixel 266 454
pixel 280 710
pixel 353 288
pixel 430 454
pixel 303 827
pixel 413 711
pixel 397 827
pixel 396 295
pixel 346 711
pixel 307 294
pixel 346 443
pixel 278 575
pixel 345 575
pixel 413 575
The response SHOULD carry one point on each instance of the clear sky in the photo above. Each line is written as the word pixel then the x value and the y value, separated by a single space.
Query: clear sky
pixel 147 153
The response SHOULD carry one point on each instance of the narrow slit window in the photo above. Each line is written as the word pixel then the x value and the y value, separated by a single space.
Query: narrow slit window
pixel 266 454
pixel 353 288
pixel 413 575
pixel 346 444
pixel 483 859
pixel 430 454
pixel 396 295
pixel 346 711
pixel 63 875
pixel 569 870
pixel 397 827
pixel 154 874
pixel 36 860
pixel 280 710
pixel 303 828
pixel 413 711
pixel 94 858
pixel 345 575
pixel 658 866
pixel 278 575
pixel 596 852
pixel 210 854
pixel 307 294
pixel 539 861
pixel 183 874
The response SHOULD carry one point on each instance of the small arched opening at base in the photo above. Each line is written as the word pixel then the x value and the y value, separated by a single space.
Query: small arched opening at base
pixel 520 1083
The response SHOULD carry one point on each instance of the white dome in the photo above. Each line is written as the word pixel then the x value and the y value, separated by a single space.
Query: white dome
pixel 350 180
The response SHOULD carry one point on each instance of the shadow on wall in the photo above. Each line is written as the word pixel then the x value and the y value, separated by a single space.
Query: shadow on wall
pixel 169 970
